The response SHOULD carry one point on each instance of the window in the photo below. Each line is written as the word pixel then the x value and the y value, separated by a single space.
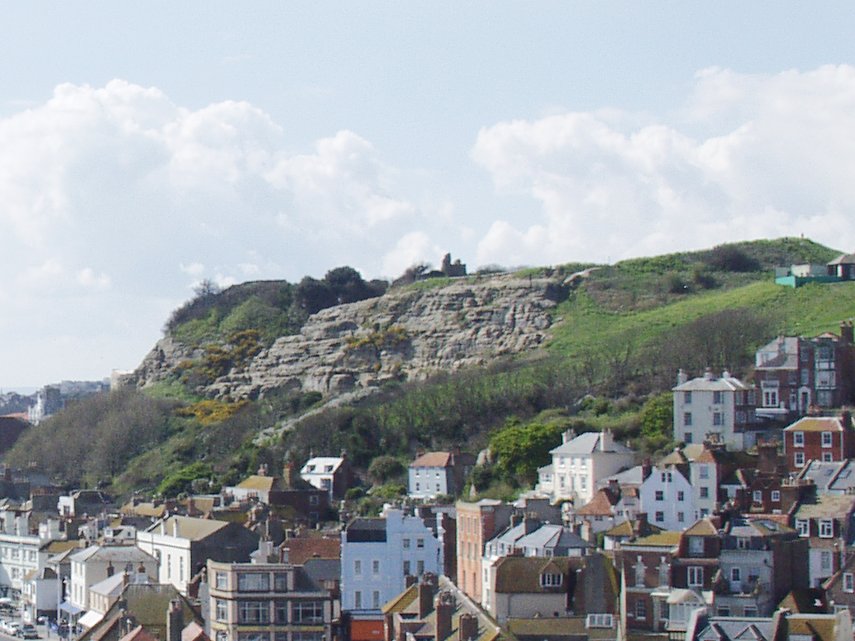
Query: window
pixel 660 517
pixel 695 576
pixel 660 495
pixel 803 527
pixel 680 495
pixel 826 439
pixel 798 439
pixel 253 636
pixel 549 580
pixel 420 567
pixel 717 398
pixel 717 418
pixel 357 567
pixel 757 496
pixel 696 546
pixel 848 582
pixel 314 499
pixel 666 477
pixel 280 611
pixel 825 560
pixel 750 611
pixel 776 496
pixel 826 528
pixel 357 602
pixel 375 599
pixel 640 609
pixel 687 398
pixel 420 543
pixel 222 610
pixel 406 568
pixel 280 581
pixel 826 457
pixel 406 544
pixel 799 459
pixel 681 517
pixel 253 581
pixel 253 612
pixel 703 471
pixel 687 419
pixel 770 398
pixel 735 574
pixel 375 567
pixel 303 635
pixel 705 492
pixel 222 580
pixel 723 611
pixel 687 438
pixel 599 621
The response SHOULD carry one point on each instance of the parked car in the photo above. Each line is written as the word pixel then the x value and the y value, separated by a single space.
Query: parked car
pixel 12 628
pixel 28 631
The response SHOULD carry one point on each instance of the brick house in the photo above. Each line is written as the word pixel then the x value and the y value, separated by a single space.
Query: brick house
pixel 794 373
pixel 819 438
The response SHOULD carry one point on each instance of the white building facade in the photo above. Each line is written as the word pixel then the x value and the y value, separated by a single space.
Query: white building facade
pixel 709 405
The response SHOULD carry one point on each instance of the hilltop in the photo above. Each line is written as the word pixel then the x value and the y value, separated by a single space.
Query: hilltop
pixel 250 374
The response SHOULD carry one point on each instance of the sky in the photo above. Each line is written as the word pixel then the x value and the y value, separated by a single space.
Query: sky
pixel 145 147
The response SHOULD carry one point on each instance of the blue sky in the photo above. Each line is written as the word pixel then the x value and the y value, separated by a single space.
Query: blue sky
pixel 146 146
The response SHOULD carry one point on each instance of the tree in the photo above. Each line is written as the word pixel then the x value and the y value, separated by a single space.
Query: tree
pixel 657 416
pixel 385 468
pixel 313 295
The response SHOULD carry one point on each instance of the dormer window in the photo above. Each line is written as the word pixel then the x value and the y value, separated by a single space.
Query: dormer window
pixel 551 580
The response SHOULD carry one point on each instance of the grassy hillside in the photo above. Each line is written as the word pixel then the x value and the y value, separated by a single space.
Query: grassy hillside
pixel 617 341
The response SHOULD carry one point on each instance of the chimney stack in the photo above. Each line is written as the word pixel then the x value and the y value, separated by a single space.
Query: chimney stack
pixel 288 475
pixel 846 337
pixel 444 608
pixel 467 626
pixel 682 377
pixel 174 621
pixel 425 598
pixel 846 419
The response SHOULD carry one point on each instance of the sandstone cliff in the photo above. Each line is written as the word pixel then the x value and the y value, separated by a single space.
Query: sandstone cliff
pixel 404 335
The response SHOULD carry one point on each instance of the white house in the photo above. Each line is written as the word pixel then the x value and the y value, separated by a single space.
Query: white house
pixel 98 562
pixel 581 462
pixel 182 545
pixel 377 554
pixel 667 498
pixel 709 405
pixel 330 473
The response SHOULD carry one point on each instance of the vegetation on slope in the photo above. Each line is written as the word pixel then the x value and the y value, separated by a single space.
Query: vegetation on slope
pixel 617 343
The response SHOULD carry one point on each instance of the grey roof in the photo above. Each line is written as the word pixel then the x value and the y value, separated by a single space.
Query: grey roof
pixel 632 476
pixel 827 506
pixel 113 553
pixel 319 570
pixel 713 384
pixel 843 259
pixel 587 443
pixel 550 536
pixel 835 477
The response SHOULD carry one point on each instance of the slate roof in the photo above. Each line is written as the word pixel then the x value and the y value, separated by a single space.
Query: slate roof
pixel 321 463
pixel 720 384
pixel 632 476
pixel 738 628
pixel 588 443
pixel 557 629
pixel 805 600
pixel 781 353
pixel 550 536
pixel 123 554
pixel 843 259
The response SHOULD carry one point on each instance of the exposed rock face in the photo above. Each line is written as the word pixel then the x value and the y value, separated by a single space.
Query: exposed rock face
pixel 401 335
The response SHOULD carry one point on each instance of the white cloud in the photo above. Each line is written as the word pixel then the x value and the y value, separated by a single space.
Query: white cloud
pixel 411 249
pixel 748 156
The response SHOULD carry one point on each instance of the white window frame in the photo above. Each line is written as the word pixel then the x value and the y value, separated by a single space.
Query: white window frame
pixel 695 576
pixel 798 439
pixel 799 459
pixel 826 528
pixel 827 439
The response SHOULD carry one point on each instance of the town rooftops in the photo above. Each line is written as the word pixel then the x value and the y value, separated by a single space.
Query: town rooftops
pixel 831 476
pixel 601 504
pixel 781 353
pixel 127 554
pixel 664 538
pixel 702 527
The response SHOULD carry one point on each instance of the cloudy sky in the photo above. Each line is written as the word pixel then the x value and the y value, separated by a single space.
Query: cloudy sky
pixel 147 146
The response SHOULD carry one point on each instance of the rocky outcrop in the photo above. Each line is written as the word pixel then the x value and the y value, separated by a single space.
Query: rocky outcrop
pixel 404 335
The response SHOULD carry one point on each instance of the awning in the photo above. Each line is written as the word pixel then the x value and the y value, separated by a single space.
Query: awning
pixel 90 618
pixel 70 608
